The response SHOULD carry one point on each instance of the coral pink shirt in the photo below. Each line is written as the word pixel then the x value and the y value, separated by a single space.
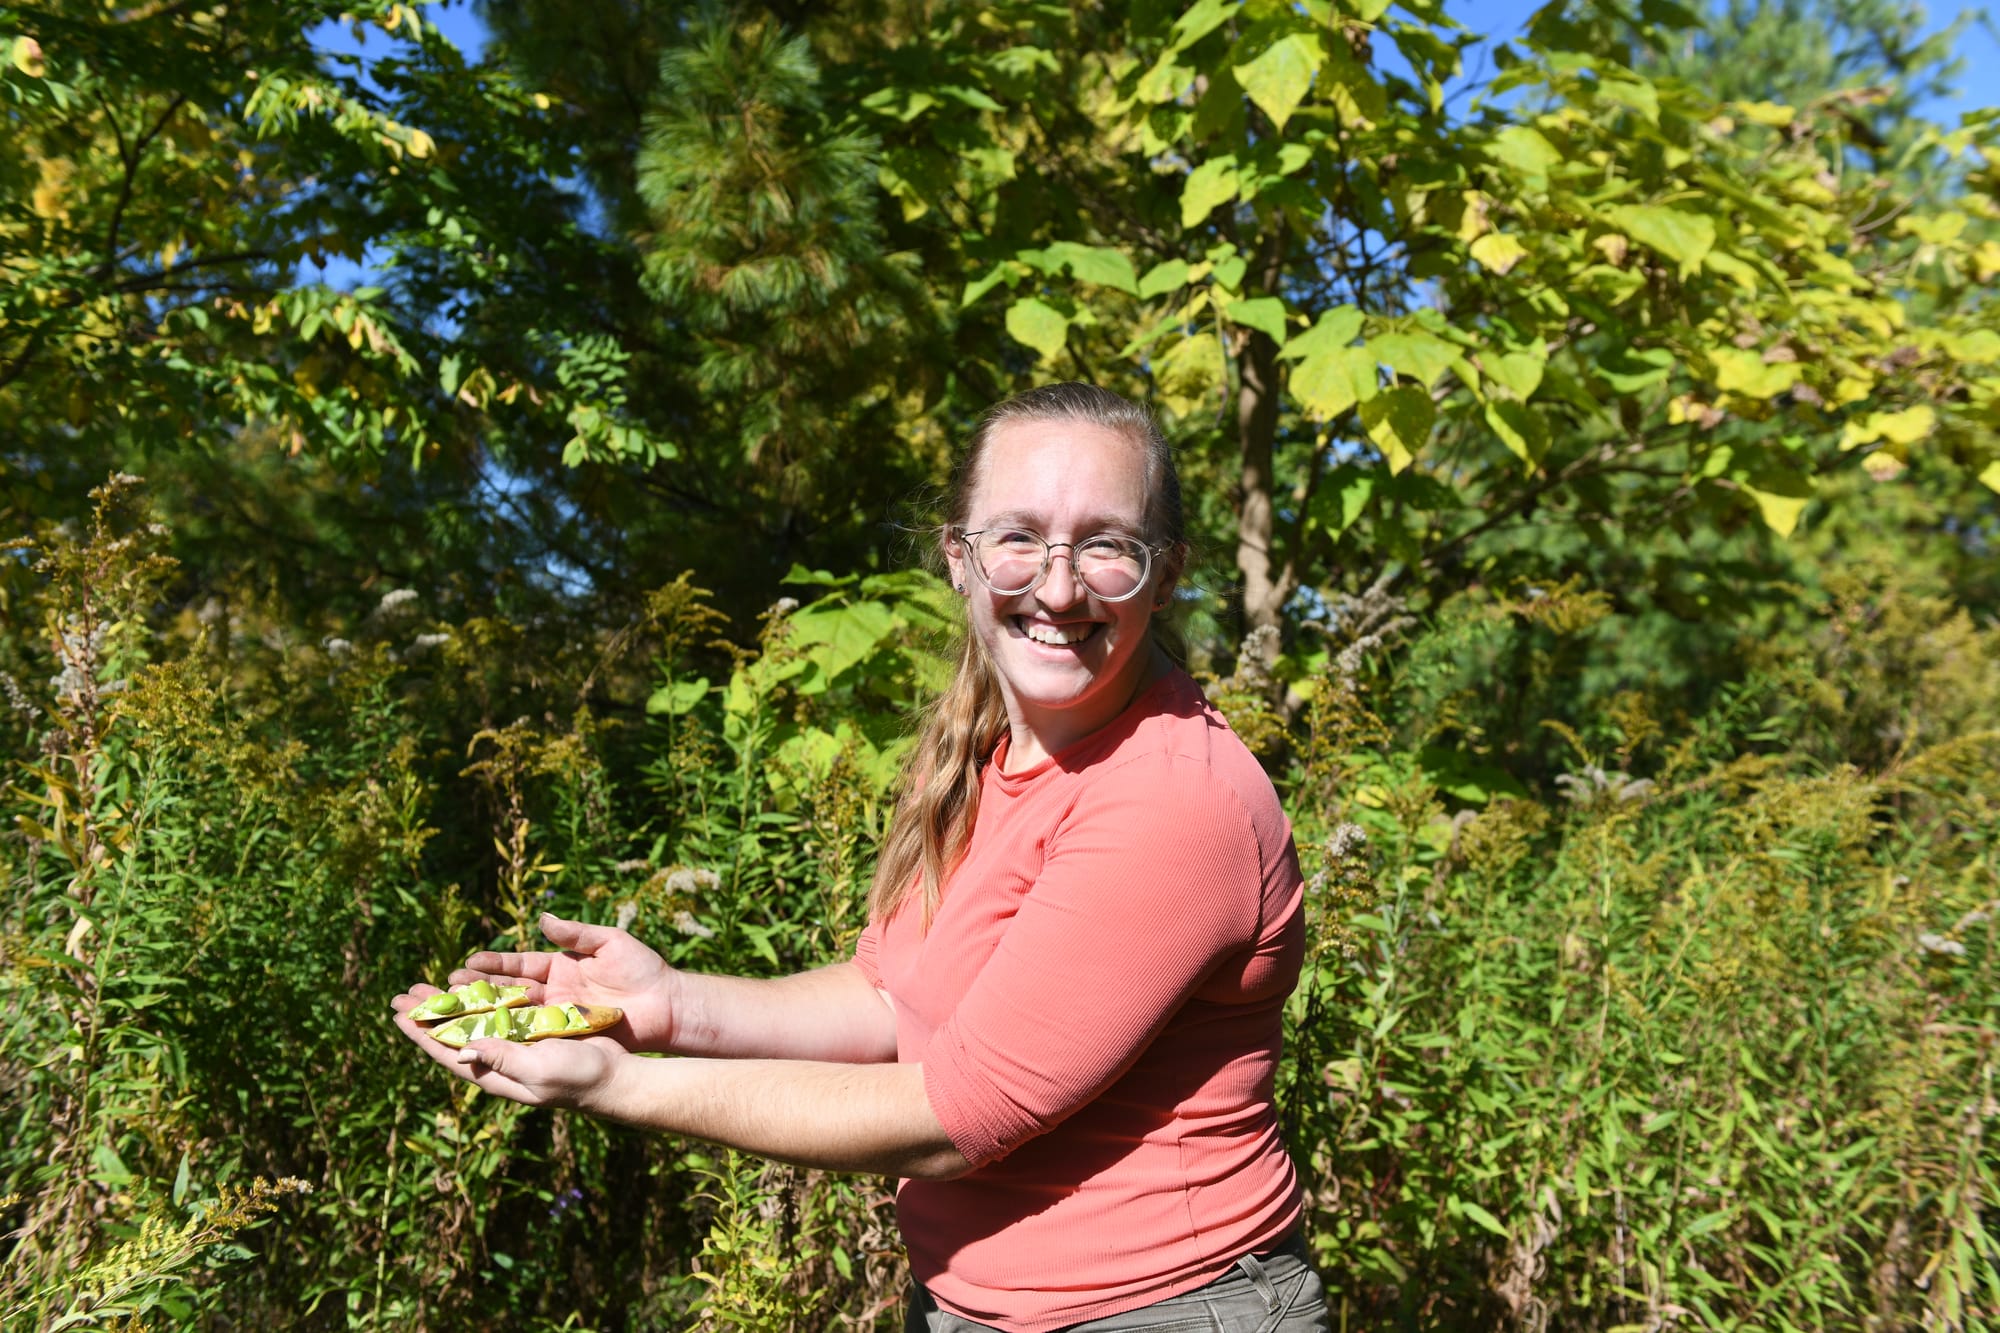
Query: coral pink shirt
pixel 1098 1007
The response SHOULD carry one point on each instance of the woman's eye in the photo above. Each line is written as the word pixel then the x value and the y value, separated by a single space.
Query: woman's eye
pixel 1016 541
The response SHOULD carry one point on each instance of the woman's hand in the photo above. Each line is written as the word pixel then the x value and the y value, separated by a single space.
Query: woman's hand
pixel 597 965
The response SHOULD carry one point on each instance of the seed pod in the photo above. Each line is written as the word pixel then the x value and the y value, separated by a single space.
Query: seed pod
pixel 474 997
pixel 535 1024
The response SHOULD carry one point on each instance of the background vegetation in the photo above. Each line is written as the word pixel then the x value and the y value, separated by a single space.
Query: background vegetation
pixel 451 488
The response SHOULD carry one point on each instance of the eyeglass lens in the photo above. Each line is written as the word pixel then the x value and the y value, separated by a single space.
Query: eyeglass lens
pixel 1014 561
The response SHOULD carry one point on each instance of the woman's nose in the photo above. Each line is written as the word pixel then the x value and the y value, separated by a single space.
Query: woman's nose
pixel 1060 586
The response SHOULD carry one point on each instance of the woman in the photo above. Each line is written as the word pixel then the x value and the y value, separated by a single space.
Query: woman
pixel 1061 1025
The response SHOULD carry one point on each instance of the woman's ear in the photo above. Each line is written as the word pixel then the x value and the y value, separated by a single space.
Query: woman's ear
pixel 1172 561
pixel 954 559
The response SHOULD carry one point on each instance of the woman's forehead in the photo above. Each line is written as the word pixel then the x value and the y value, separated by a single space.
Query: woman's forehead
pixel 1073 470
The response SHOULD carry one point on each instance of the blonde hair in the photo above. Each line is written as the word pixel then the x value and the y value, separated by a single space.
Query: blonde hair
pixel 939 799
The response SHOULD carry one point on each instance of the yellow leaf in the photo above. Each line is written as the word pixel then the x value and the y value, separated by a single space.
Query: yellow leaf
pixel 1498 251
pixel 27 55
pixel 1773 114
pixel 1473 224
pixel 1747 373
pixel 1986 260
pixel 1903 428
pixel 1780 510
pixel 1991 476
pixel 421 144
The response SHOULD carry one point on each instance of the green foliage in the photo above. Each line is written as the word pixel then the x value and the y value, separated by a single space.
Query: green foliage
pixel 1594 461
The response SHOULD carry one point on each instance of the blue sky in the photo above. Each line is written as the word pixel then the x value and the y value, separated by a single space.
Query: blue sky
pixel 1978 45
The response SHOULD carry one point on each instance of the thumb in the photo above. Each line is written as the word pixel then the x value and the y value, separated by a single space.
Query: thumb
pixel 576 936
pixel 489 1053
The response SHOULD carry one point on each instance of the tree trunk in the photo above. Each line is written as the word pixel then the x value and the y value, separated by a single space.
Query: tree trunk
pixel 1264 587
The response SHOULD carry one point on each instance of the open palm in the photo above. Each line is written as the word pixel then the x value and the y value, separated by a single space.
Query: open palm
pixel 595 965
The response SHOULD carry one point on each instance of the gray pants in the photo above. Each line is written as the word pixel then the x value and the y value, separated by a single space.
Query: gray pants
pixel 1264 1293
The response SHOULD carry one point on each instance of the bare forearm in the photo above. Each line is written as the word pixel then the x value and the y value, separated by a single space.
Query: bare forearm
pixel 831 1014
pixel 838 1117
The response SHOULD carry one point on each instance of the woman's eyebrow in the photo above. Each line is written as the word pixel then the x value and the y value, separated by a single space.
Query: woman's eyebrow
pixel 1017 518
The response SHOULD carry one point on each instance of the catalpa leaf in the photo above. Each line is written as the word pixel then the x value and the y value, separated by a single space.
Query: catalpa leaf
pixel 1747 373
pixel 1328 383
pixel 1037 325
pixel 1781 497
pixel 1278 80
pixel 1521 428
pixel 1200 20
pixel 1682 237
pixel 1398 422
pixel 1524 151
pixel 1099 264
pixel 1498 251
pixel 1169 275
pixel 1905 428
pixel 1520 373
pixel 1208 185
pixel 1421 356
pixel 1335 329
pixel 1266 314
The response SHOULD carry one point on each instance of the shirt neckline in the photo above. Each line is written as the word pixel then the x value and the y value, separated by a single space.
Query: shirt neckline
pixel 1076 754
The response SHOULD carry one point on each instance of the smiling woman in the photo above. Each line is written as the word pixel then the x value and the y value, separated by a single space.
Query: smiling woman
pixel 1061 1025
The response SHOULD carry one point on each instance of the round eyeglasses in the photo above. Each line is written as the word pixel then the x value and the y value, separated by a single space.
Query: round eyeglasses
pixel 1012 561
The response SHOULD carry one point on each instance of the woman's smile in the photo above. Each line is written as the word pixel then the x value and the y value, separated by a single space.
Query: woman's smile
pixel 1067 660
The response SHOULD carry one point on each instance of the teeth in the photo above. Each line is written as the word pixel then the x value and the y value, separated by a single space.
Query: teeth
pixel 1054 634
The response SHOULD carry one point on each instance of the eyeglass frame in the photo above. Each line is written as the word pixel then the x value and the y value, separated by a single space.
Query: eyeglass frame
pixel 964 538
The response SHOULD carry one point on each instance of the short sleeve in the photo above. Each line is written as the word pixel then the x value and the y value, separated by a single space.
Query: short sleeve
pixel 1153 878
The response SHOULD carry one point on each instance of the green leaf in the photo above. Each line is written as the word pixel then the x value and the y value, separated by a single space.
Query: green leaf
pixel 1166 276
pixel 1399 423
pixel 1975 348
pixel 1990 478
pixel 1166 81
pixel 841 635
pixel 679 697
pixel 1628 369
pixel 1328 383
pixel 1266 314
pixel 1008 271
pixel 1424 357
pixel 1099 264
pixel 1482 1217
pixel 1339 499
pixel 1336 328
pixel 1520 373
pixel 1278 80
pixel 1200 20
pixel 181 1182
pixel 1521 428
pixel 1682 237
pixel 1037 325
pixel 1524 151
pixel 1208 185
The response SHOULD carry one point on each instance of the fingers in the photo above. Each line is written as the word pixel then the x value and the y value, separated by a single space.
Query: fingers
pixel 503 969
pixel 412 997
pixel 577 936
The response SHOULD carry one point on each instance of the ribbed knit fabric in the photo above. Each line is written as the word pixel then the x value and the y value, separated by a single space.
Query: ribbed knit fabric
pixel 1097 1006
